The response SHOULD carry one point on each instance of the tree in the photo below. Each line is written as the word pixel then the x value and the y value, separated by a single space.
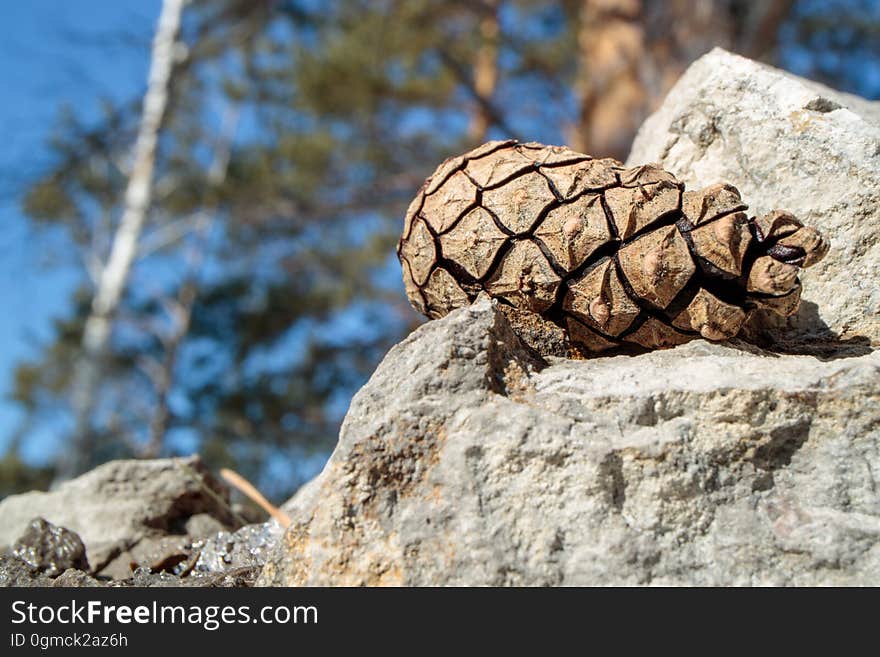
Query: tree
pixel 114 273
pixel 485 71
pixel 836 42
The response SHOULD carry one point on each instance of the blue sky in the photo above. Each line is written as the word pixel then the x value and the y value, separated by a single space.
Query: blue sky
pixel 51 52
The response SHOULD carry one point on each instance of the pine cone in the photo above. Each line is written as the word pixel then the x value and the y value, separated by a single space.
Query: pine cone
pixel 612 255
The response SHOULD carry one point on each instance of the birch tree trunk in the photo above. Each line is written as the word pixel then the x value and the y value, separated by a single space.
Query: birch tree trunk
pixel 115 273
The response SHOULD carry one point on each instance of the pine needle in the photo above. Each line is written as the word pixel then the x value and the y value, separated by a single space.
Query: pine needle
pixel 249 490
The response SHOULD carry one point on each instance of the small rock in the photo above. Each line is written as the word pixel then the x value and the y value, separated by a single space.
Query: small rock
pixel 233 577
pixel 15 572
pixel 167 553
pixel 49 549
pixel 203 525
pixel 76 578
pixel 246 547
pixel 245 576
pixel 145 577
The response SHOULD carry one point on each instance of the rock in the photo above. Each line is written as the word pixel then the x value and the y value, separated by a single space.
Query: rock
pixel 174 554
pixel 144 523
pixel 121 505
pixel 15 572
pixel 159 554
pixel 46 555
pixel 238 577
pixel 465 461
pixel 73 578
pixel 51 550
pixel 787 143
pixel 204 525
pixel 248 546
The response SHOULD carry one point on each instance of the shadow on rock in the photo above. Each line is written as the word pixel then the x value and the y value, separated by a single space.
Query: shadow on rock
pixel 804 334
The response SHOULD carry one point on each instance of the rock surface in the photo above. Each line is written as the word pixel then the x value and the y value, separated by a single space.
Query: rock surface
pixel 125 511
pixel 787 143
pixel 465 461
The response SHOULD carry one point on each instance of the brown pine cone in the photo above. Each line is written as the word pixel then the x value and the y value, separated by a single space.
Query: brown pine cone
pixel 612 255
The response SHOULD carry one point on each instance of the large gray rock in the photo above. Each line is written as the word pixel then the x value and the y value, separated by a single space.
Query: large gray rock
pixel 466 461
pixel 123 506
pixel 792 144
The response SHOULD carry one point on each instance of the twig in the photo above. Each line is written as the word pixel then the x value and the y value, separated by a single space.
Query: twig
pixel 249 490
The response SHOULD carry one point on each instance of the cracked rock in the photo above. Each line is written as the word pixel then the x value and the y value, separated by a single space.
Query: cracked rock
pixel 465 461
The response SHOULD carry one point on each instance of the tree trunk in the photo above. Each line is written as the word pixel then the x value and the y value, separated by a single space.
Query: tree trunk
pixel 485 72
pixel 115 274
pixel 631 52
pixel 609 92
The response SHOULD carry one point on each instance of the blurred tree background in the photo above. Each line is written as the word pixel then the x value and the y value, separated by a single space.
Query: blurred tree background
pixel 262 288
